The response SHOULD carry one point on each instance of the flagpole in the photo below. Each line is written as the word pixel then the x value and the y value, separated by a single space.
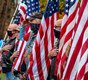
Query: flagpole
pixel 11 21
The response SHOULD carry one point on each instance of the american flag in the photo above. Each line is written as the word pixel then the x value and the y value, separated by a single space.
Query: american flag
pixel 22 44
pixel 17 18
pixel 39 61
pixel 78 56
pixel 18 61
pixel 66 37
pixel 29 6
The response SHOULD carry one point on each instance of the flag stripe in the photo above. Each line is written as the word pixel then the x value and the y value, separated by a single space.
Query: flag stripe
pixel 67 36
pixel 67 75
pixel 83 57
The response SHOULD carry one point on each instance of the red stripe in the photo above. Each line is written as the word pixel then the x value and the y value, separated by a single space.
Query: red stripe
pixel 82 70
pixel 58 61
pixel 74 55
pixel 72 16
pixel 41 31
pixel 52 31
pixel 86 73
pixel 68 36
pixel 80 15
pixel 46 52
pixel 23 9
pixel 81 73
pixel 21 61
pixel 38 60
pixel 57 15
pixel 30 73
pixel 85 47
pixel 63 30
pixel 70 19
pixel 19 54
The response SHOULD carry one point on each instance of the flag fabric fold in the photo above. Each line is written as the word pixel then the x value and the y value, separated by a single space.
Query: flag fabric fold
pixel 67 33
pixel 39 61
pixel 76 64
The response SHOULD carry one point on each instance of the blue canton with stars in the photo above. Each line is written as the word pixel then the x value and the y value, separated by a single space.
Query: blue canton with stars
pixel 68 5
pixel 32 6
pixel 52 7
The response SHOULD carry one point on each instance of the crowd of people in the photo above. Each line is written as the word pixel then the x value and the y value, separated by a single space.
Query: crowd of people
pixel 8 50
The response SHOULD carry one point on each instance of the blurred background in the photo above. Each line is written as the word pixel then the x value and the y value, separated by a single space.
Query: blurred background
pixel 7 9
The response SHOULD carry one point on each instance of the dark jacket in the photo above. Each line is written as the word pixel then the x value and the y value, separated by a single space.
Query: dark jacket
pixel 6 63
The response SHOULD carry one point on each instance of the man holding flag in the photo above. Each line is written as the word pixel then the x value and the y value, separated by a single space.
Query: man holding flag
pixel 39 61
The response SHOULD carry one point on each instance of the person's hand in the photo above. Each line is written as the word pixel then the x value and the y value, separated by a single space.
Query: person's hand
pixel 6 47
pixel 23 77
pixel 14 55
pixel 53 52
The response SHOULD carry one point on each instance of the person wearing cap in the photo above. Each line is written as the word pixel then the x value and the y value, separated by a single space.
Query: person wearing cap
pixel 53 53
pixel 8 51
pixel 34 20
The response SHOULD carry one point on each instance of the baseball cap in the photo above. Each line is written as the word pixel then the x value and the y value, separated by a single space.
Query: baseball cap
pixel 35 15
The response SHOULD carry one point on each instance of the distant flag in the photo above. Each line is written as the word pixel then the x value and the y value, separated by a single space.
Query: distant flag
pixel 66 37
pixel 22 10
pixel 26 8
pixel 39 64
pixel 17 18
pixel 78 57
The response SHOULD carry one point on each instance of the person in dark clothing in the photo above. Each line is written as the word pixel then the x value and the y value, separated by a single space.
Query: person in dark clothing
pixel 53 53
pixel 8 51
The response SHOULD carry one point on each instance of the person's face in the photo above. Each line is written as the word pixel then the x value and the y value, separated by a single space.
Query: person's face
pixel 35 24
pixel 35 21
pixel 57 31
pixel 12 33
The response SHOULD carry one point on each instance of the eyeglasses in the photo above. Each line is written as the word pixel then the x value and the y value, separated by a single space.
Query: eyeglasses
pixel 14 31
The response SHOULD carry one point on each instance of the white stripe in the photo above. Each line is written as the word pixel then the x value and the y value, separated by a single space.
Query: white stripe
pixel 75 40
pixel 72 9
pixel 65 46
pixel 43 61
pixel 34 69
pixel 73 73
pixel 86 70
pixel 55 18
pixel 61 42
pixel 20 56
pixel 84 56
pixel 71 25
pixel 85 35
pixel 22 4
pixel 83 60
pixel 44 24
pixel 21 11
pixel 64 20
pixel 69 28
pixel 49 35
